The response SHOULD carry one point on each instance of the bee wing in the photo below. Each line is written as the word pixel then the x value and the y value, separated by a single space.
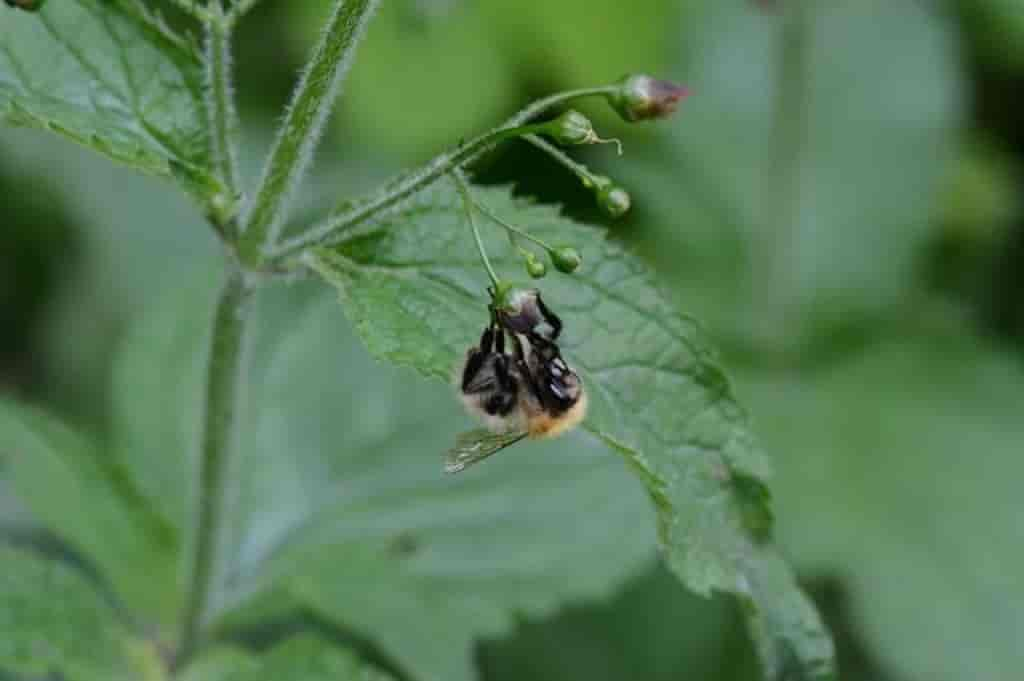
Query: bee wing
pixel 475 446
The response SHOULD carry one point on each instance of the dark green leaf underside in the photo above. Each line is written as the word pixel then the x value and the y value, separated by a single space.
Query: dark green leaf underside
pixel 415 290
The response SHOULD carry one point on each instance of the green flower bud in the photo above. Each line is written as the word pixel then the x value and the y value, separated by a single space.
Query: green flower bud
pixel 614 200
pixel 565 259
pixel 572 128
pixel 28 5
pixel 535 267
pixel 641 98
pixel 510 297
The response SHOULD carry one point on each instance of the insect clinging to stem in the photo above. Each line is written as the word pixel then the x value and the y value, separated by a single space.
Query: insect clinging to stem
pixel 528 392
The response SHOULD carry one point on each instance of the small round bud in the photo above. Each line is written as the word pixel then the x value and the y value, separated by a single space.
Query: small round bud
pixel 511 297
pixel 614 200
pixel 535 267
pixel 28 5
pixel 641 98
pixel 572 128
pixel 565 259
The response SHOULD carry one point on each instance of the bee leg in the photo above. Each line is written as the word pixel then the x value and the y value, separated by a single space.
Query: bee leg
pixel 504 399
pixel 551 318
pixel 524 369
pixel 477 358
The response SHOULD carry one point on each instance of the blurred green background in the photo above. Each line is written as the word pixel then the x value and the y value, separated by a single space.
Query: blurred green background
pixel 840 202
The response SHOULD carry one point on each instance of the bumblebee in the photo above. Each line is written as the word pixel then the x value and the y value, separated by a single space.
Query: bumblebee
pixel 528 392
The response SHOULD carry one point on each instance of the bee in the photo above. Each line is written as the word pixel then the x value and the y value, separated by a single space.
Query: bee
pixel 528 392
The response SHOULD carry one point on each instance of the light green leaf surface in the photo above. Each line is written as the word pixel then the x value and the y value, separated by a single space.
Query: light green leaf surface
pixel 415 290
pixel 302 658
pixel 110 76
pixel 900 472
pixel 54 624
pixel 797 232
pixel 338 497
pixel 74 490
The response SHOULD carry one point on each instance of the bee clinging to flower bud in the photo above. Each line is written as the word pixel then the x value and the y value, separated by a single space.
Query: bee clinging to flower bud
pixel 526 391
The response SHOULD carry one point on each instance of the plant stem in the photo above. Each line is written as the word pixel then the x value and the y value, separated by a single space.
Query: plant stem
pixel 240 9
pixel 581 171
pixel 195 10
pixel 328 231
pixel 311 104
pixel 223 376
pixel 222 114
pixel 467 201
pixel 510 227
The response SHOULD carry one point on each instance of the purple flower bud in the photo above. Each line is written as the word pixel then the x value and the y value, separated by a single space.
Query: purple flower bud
pixel 642 98
pixel 521 310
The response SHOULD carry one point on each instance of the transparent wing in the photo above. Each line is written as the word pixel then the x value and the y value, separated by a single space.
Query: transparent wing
pixel 475 446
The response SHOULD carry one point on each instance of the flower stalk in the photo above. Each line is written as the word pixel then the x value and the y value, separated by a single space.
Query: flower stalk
pixel 292 152
pixel 223 124
pixel 331 230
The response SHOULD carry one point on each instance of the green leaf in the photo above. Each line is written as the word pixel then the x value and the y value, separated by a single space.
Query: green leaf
pixel 900 471
pixel 415 291
pixel 302 658
pixel 85 498
pixel 110 76
pixel 338 497
pixel 772 234
pixel 652 630
pixel 54 623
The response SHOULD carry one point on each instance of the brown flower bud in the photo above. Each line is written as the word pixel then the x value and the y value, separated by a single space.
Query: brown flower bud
pixel 641 98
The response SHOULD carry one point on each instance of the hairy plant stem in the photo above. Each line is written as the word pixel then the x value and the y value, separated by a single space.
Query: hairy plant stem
pixel 194 9
pixel 293 148
pixel 335 225
pixel 223 121
pixel 775 238
pixel 223 378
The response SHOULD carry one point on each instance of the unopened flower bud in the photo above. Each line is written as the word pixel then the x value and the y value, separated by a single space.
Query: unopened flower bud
pixel 565 259
pixel 641 98
pixel 28 5
pixel 535 267
pixel 521 310
pixel 572 128
pixel 614 200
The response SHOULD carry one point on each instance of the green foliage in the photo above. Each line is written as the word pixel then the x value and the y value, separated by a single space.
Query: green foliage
pixel 52 621
pixel 817 166
pixel 653 629
pixel 413 288
pixel 112 77
pixel 339 497
pixel 256 461
pixel 303 658
pixel 897 479
pixel 87 500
